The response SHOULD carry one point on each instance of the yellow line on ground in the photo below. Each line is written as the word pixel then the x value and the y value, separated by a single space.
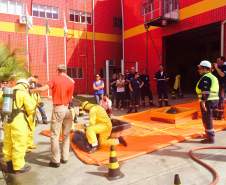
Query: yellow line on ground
pixel 187 12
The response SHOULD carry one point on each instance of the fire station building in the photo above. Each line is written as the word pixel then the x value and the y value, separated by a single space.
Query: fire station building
pixel 177 33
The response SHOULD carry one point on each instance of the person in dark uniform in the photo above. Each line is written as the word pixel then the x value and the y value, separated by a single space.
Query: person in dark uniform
pixel 135 86
pixel 162 86
pixel 129 75
pixel 145 90
pixel 220 73
pixel 207 90
pixel 113 88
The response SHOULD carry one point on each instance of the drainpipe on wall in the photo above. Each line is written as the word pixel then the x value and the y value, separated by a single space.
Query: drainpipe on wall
pixel 94 44
pixel 222 37
pixel 123 42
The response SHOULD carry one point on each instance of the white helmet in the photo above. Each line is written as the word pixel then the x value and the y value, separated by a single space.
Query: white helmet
pixel 205 63
pixel 25 81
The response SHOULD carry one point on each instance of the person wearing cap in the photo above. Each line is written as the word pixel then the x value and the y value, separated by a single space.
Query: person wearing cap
pixel 220 73
pixel 98 87
pixel 17 129
pixel 99 124
pixel 207 90
pixel 62 87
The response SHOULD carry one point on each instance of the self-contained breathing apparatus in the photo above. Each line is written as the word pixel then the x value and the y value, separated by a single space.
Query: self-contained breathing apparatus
pixel 8 110
pixel 7 105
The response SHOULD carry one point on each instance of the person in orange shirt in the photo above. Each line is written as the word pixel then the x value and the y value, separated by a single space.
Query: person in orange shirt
pixel 62 87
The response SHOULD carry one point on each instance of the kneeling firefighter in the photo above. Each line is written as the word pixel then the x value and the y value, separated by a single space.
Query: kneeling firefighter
pixel 99 123
pixel 18 108
pixel 207 90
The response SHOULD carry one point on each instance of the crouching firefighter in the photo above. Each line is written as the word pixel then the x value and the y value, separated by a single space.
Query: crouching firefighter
pixel 17 108
pixel 207 90
pixel 99 124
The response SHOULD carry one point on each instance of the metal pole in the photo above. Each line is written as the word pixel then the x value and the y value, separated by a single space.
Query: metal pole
pixel 47 53
pixel 136 66
pixel 65 50
pixel 222 37
pixel 94 47
pixel 27 45
pixel 107 76
pixel 147 48
pixel 86 48
pixel 122 67
pixel 123 42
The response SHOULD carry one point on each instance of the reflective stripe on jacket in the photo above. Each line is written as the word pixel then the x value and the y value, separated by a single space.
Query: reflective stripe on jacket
pixel 214 89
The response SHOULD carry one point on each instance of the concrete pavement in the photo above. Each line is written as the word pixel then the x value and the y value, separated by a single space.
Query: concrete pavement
pixel 157 168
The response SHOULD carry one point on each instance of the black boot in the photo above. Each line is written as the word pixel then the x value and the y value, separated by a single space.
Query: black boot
pixel 130 110
pixel 25 169
pixel 166 103
pixel 9 167
pixel 136 109
pixel 160 103
pixel 122 141
pixel 209 140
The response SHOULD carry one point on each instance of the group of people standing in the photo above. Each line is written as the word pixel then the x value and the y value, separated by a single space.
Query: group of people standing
pixel 129 90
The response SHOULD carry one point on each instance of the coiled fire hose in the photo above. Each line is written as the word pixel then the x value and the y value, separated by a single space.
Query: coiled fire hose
pixel 205 165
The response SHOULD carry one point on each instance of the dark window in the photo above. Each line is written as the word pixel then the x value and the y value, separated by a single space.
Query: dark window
pixel 147 7
pixel 80 17
pixel 75 72
pixel 77 18
pixel 88 17
pixel 45 11
pixel 72 16
pixel 117 22
pixel 83 18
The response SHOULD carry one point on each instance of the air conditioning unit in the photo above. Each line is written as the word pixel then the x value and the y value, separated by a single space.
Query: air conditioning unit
pixel 23 19
pixel 26 20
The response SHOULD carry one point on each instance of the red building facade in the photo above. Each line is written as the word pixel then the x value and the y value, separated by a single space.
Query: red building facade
pixel 93 35
pixel 150 48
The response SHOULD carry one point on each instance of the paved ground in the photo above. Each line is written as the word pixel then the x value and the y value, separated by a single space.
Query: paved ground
pixel 157 168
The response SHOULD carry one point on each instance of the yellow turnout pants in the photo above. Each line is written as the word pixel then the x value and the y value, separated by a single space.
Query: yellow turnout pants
pixel 15 141
pixel 104 132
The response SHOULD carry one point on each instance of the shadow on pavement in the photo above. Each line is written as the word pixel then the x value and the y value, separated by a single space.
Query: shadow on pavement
pixel 99 174
pixel 41 158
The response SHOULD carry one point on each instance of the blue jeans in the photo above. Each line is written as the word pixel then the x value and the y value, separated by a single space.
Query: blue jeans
pixel 42 111
pixel 98 98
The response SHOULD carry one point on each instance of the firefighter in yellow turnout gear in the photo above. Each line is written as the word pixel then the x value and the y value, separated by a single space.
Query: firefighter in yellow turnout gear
pixel 99 123
pixel 17 128
pixel 32 122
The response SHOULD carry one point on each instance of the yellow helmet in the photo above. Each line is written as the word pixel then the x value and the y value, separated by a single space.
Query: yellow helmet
pixel 87 106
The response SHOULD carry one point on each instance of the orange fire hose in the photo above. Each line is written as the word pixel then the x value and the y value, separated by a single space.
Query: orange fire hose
pixel 208 167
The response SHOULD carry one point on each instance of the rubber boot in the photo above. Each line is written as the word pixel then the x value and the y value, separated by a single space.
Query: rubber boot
pixel 166 103
pixel 130 110
pixel 160 103
pixel 9 167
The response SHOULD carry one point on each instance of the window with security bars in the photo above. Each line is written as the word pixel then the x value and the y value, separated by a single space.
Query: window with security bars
pixel 80 17
pixel 44 11
pixel 170 5
pixel 12 7
pixel 75 72
pixel 147 7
